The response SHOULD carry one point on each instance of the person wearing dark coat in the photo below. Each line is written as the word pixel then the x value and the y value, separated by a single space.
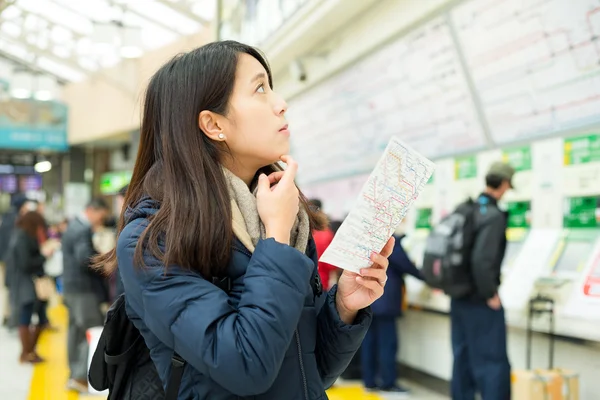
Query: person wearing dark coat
pixel 84 288
pixel 380 347
pixel 208 200
pixel 20 205
pixel 24 263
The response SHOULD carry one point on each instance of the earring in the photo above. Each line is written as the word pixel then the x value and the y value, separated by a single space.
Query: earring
pixel 221 136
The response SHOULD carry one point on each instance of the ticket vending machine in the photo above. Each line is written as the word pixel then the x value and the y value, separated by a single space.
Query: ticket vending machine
pixel 417 292
pixel 572 278
pixel 519 222
pixel 574 248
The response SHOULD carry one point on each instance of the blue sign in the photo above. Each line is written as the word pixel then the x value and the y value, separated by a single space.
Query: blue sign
pixel 32 124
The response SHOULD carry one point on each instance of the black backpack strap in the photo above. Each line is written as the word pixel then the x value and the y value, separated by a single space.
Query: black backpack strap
pixel 177 367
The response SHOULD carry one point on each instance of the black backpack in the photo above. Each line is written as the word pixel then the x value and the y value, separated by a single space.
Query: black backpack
pixel 447 258
pixel 122 363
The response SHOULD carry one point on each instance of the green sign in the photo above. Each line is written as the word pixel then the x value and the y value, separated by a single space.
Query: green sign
pixel 518 214
pixel 518 157
pixel 465 167
pixel 582 149
pixel 423 218
pixel 582 212
pixel 112 182
pixel 430 181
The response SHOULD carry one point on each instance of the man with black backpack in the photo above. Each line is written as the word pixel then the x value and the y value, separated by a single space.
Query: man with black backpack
pixel 478 327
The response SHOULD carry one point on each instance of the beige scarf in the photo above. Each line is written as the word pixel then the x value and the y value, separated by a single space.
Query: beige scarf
pixel 248 227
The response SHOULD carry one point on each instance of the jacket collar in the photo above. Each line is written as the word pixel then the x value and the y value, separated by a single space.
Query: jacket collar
pixel 485 198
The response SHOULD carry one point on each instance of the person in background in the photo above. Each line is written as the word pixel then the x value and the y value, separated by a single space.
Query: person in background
pixel 334 225
pixel 478 327
pixel 20 205
pixel 84 288
pixel 380 347
pixel 48 247
pixel 25 261
pixel 57 230
pixel 323 238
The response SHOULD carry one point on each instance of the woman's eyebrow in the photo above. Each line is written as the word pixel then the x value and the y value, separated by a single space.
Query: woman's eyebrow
pixel 260 75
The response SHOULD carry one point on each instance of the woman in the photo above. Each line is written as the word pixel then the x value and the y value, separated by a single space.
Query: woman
pixel 26 262
pixel 206 200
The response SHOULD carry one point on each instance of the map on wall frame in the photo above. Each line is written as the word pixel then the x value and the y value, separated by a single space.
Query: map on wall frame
pixel 535 64
pixel 413 88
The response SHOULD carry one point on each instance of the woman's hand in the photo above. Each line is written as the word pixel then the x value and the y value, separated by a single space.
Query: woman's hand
pixel 356 292
pixel 278 206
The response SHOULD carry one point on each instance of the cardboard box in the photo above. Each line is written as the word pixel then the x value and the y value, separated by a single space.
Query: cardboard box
pixel 570 384
pixel 536 385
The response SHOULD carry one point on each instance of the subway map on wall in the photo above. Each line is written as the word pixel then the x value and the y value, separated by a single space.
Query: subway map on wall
pixel 535 64
pixel 487 73
pixel 413 88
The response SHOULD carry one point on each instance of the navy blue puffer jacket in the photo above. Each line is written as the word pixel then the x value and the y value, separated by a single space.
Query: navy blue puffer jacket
pixel 270 338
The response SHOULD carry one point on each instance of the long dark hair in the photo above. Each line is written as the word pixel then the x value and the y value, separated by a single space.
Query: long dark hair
pixel 179 166
pixel 32 223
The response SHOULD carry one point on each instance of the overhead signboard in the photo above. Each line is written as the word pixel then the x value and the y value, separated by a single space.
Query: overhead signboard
pixel 582 149
pixel 32 124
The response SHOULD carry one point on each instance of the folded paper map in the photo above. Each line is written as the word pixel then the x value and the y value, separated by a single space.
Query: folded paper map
pixel 393 186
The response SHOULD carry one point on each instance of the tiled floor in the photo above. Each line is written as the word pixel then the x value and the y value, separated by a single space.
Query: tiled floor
pixel 46 381
pixel 14 377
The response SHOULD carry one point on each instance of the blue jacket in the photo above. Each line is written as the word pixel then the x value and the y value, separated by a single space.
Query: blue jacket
pixel 390 304
pixel 271 337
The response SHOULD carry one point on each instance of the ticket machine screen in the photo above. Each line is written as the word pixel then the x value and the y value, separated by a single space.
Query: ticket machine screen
pixel 512 251
pixel 574 256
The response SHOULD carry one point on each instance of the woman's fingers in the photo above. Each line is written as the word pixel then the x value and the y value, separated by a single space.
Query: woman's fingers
pixel 379 274
pixel 376 274
pixel 275 177
pixel 290 172
pixel 388 248
pixel 379 261
pixel 370 284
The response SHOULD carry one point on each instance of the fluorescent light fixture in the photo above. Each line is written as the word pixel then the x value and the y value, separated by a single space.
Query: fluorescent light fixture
pixel 43 95
pixel 42 166
pixel 131 52
pixel 131 43
pixel 21 93
pixel 22 85
pixel 47 88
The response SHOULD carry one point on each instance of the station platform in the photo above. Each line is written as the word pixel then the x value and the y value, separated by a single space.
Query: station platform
pixel 46 381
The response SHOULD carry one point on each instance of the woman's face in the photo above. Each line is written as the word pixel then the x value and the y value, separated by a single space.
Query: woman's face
pixel 255 128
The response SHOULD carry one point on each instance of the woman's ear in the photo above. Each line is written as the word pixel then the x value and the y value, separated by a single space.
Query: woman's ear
pixel 210 123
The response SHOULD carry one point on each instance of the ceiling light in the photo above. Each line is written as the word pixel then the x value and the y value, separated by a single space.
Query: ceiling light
pixel 131 45
pixel 47 88
pixel 105 34
pixel 22 85
pixel 42 166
